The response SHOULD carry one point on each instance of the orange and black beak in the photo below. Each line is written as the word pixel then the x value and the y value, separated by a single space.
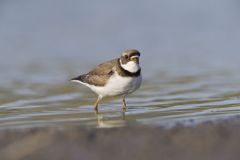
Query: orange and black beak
pixel 135 59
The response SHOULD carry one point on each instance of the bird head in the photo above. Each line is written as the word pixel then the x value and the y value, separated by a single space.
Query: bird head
pixel 129 60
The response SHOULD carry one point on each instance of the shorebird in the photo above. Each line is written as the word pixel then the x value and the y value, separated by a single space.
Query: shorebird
pixel 117 77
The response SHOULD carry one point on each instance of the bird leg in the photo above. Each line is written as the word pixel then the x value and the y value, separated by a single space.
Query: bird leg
pixel 96 104
pixel 124 107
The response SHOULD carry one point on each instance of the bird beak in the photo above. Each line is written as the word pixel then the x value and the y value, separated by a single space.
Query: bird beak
pixel 135 59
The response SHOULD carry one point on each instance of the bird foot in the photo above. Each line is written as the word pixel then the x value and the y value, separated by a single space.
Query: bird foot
pixel 124 109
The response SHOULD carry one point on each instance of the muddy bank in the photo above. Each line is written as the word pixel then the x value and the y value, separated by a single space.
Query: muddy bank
pixel 206 141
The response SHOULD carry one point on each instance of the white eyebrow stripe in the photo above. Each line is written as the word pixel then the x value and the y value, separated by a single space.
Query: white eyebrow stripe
pixel 134 57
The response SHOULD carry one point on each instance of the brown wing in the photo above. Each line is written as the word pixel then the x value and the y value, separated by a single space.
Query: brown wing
pixel 100 74
pixel 104 68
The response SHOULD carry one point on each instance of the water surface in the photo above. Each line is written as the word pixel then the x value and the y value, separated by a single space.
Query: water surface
pixel 164 100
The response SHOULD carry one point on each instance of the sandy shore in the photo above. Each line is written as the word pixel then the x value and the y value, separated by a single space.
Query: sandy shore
pixel 206 141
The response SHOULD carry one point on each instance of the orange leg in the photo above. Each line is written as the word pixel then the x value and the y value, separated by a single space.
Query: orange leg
pixel 96 104
pixel 124 107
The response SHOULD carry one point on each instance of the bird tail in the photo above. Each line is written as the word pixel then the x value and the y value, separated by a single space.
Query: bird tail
pixel 78 79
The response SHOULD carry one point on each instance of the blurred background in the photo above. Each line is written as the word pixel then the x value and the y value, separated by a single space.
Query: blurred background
pixel 172 35
pixel 43 43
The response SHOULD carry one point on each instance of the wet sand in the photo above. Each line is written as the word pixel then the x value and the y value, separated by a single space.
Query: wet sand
pixel 208 141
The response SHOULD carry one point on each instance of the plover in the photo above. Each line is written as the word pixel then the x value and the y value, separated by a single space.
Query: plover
pixel 117 77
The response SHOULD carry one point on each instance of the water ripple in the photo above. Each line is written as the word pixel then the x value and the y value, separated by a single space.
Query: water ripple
pixel 184 99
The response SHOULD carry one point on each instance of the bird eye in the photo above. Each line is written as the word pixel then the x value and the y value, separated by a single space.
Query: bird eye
pixel 126 57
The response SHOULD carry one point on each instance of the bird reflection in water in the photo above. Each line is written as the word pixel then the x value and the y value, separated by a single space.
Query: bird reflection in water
pixel 119 121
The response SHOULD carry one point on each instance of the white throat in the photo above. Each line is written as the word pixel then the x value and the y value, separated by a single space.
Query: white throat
pixel 130 66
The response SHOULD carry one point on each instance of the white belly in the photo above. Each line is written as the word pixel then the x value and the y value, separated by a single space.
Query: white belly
pixel 118 85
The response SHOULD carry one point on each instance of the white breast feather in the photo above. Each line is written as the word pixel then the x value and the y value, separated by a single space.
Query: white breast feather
pixel 117 85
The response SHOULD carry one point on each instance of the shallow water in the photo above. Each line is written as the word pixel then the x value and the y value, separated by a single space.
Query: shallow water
pixel 190 61
pixel 164 100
